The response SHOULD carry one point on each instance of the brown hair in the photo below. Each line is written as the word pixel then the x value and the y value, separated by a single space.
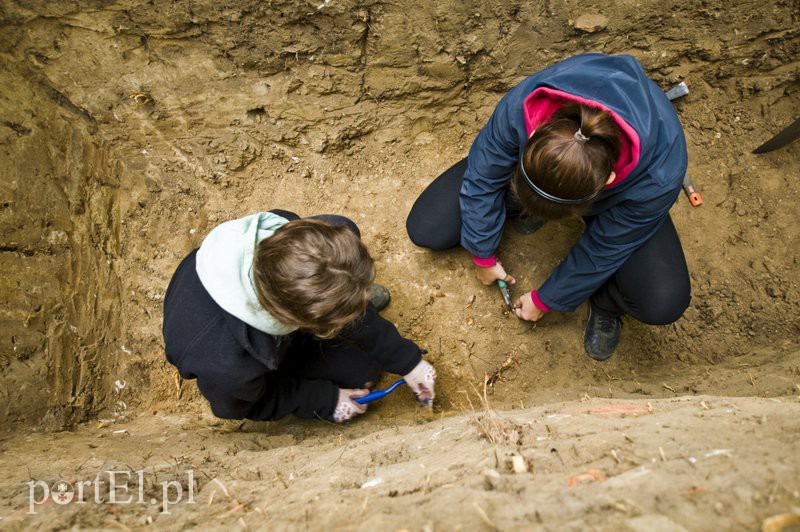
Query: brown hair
pixel 567 165
pixel 314 276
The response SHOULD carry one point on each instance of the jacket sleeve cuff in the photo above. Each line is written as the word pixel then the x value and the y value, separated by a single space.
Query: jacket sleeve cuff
pixel 538 302
pixel 488 262
pixel 409 363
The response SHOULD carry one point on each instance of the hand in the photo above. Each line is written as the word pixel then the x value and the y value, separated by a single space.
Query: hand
pixel 346 408
pixel 421 380
pixel 526 310
pixel 491 274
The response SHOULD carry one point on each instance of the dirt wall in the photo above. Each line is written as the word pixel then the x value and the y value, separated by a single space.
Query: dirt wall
pixel 58 242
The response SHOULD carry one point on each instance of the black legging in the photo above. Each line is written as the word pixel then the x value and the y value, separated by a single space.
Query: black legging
pixel 652 285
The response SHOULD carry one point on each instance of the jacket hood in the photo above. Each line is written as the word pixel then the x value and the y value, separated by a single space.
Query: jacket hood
pixel 225 268
pixel 543 102
pixel 619 85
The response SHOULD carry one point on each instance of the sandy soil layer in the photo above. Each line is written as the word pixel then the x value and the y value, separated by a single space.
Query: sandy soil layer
pixel 699 463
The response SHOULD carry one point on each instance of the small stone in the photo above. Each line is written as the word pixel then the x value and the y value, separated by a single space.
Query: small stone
pixel 424 139
pixel 492 480
pixel 591 23
pixel 518 464
pixel 772 291
pixel 152 185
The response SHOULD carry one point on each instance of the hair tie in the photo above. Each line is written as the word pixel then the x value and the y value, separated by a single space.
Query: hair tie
pixel 580 137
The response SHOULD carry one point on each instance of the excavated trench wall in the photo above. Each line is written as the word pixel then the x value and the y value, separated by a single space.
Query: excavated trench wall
pixel 128 129
pixel 58 243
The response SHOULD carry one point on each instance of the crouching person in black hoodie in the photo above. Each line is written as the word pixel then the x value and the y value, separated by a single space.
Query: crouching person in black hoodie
pixel 272 316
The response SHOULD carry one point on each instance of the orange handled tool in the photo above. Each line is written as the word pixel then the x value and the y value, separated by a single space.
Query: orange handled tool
pixel 691 193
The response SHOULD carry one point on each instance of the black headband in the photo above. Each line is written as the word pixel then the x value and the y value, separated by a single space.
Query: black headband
pixel 554 199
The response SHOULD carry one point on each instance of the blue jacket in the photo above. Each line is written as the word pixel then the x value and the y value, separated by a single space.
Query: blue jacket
pixel 624 216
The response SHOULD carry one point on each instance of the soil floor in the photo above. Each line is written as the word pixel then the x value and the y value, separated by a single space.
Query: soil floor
pixel 129 130
pixel 690 463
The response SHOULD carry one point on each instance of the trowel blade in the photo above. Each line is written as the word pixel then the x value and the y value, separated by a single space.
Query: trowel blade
pixel 791 133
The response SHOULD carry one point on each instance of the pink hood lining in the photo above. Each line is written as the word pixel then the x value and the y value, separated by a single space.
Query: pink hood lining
pixel 543 102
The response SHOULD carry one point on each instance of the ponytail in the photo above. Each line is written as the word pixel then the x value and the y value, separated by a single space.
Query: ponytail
pixel 568 158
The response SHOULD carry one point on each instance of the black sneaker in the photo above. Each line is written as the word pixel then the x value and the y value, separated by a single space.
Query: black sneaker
pixel 379 297
pixel 602 334
pixel 525 225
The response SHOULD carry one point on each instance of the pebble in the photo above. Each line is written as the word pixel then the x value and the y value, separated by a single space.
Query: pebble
pixel 591 23
pixel 518 464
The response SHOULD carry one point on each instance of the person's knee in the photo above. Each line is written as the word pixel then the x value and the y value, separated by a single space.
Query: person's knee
pixel 365 376
pixel 289 215
pixel 370 379
pixel 339 220
pixel 414 229
pixel 350 224
pixel 418 238
pixel 426 238
pixel 667 307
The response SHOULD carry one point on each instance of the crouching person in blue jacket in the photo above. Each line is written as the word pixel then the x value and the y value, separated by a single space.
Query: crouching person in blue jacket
pixel 589 136
pixel 274 315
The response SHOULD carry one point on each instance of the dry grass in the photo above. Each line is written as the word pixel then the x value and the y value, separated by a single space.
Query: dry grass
pixel 495 428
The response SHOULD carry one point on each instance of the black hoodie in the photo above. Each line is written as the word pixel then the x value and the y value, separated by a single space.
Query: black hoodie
pixel 237 367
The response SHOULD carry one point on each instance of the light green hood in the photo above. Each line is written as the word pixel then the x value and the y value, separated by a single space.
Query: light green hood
pixel 225 268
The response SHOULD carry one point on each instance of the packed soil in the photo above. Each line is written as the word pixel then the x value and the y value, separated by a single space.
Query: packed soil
pixel 128 130
pixel 696 463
